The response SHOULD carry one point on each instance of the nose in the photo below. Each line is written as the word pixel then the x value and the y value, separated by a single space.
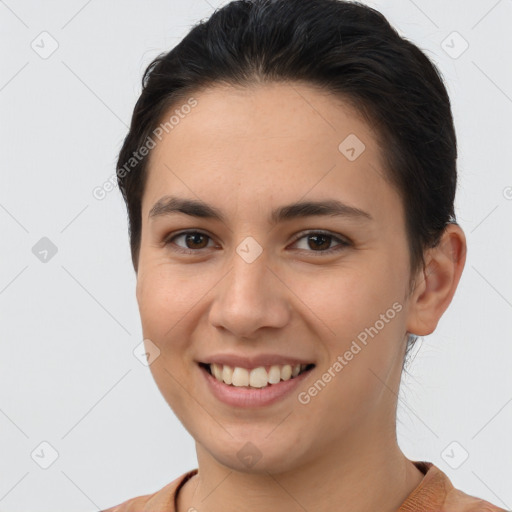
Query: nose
pixel 250 297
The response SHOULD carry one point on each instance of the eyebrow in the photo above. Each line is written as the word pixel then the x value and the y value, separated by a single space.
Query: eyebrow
pixel 169 205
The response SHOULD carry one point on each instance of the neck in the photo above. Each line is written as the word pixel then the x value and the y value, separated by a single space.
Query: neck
pixel 356 476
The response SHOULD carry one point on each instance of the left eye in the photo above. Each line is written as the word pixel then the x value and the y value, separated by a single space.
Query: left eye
pixel 321 241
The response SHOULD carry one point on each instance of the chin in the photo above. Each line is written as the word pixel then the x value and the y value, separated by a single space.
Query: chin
pixel 255 454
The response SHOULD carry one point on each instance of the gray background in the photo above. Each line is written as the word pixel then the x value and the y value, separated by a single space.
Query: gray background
pixel 69 325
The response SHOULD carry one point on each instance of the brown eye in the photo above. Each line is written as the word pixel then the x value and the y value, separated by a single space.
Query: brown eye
pixel 316 242
pixel 193 241
pixel 196 240
pixel 320 242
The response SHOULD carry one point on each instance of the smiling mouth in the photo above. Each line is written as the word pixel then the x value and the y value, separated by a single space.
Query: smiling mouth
pixel 260 377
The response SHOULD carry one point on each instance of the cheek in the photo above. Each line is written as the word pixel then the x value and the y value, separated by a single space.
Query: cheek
pixel 163 304
pixel 352 299
pixel 364 313
pixel 171 304
pixel 163 301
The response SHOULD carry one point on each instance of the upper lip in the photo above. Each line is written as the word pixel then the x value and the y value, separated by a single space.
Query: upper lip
pixel 255 361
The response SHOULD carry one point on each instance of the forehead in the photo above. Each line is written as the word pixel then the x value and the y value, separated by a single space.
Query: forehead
pixel 243 147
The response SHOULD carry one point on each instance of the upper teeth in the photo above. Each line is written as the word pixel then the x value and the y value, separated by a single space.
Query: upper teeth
pixel 257 377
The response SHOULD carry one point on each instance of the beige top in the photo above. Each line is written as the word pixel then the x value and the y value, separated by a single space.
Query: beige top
pixel 435 493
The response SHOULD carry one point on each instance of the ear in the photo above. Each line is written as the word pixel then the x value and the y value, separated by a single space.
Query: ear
pixel 437 282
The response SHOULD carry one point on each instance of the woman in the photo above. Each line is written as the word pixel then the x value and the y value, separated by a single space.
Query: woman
pixel 289 175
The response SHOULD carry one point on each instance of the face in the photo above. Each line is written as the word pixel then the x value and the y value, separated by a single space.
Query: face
pixel 256 280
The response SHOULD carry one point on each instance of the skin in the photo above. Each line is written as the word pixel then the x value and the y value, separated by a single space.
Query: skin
pixel 247 151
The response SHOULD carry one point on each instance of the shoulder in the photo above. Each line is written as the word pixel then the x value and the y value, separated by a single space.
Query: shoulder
pixel 458 501
pixel 436 492
pixel 160 501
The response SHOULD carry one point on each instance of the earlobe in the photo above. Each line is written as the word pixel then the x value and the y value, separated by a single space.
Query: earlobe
pixel 438 281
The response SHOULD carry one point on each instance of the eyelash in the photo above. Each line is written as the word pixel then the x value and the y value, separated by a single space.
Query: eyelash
pixel 344 243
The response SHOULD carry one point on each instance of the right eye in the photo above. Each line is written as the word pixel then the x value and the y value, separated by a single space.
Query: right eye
pixel 191 238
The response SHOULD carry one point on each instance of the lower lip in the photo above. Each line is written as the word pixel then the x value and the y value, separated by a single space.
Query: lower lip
pixel 252 397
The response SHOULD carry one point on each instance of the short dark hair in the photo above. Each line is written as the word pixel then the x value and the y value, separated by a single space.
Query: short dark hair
pixel 345 48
